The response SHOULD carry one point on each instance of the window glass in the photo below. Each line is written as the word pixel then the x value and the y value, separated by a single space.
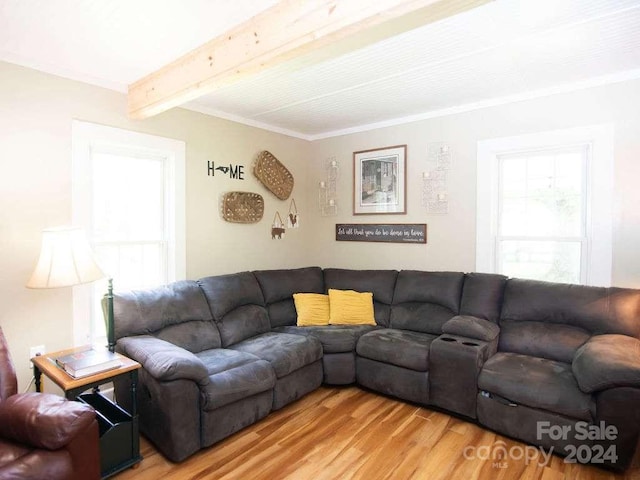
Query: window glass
pixel 128 223
pixel 543 194
pixel 128 198
pixel 541 217
pixel 551 261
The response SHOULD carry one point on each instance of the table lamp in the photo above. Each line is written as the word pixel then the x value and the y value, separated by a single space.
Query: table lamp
pixel 66 260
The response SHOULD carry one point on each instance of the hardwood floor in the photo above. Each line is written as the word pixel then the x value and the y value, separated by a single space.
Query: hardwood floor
pixel 348 433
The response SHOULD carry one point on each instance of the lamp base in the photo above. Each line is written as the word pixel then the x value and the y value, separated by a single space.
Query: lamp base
pixel 110 328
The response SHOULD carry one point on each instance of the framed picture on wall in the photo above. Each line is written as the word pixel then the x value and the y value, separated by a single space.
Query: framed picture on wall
pixel 379 181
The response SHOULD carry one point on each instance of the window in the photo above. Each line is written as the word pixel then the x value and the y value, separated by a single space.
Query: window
pixel 544 206
pixel 128 193
pixel 541 215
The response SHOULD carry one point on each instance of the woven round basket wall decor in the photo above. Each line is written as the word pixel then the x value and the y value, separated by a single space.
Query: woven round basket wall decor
pixel 273 175
pixel 242 207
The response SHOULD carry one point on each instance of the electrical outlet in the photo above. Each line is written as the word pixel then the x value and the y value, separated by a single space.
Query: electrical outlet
pixel 33 351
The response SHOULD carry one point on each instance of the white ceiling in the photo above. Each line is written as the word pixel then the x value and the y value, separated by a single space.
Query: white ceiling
pixel 503 51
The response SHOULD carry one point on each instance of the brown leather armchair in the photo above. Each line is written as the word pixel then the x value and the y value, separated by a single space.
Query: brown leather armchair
pixel 44 436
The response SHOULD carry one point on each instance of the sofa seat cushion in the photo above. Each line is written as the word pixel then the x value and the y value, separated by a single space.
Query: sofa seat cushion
pixel 397 347
pixel 334 338
pixel 536 382
pixel 233 376
pixel 284 351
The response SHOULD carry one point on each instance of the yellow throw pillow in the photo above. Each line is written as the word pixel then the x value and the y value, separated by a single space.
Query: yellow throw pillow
pixel 312 309
pixel 351 308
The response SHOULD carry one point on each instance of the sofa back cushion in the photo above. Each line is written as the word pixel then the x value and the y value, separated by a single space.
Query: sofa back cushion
pixel 482 295
pixel 539 339
pixel 424 301
pixel 177 313
pixel 379 282
pixel 237 305
pixel 278 287
pixel 552 320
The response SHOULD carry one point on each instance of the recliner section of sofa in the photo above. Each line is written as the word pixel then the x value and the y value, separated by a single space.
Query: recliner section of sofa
pixel 221 353
pixel 240 313
pixel 192 392
pixel 395 360
pixel 545 328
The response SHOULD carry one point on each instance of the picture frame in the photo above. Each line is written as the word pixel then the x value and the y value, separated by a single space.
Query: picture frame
pixel 379 181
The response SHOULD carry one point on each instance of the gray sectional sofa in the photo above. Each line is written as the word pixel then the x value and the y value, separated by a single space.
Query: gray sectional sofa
pixel 527 359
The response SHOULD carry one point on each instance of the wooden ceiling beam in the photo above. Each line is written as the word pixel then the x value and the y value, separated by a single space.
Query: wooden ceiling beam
pixel 289 29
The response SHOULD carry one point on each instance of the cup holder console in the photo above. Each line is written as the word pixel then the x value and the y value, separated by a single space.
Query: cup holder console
pixel 467 343
pixel 454 366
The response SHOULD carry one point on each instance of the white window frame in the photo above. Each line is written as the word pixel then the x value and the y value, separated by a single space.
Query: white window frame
pixel 87 137
pixel 599 208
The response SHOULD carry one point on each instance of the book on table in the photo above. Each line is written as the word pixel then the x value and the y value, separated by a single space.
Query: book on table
pixel 88 362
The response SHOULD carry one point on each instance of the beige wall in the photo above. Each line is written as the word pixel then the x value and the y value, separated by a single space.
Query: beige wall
pixel 36 111
pixel 451 238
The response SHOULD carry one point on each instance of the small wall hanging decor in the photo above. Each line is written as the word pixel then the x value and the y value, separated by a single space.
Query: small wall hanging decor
pixel 376 232
pixel 379 179
pixel 277 227
pixel 242 207
pixel 233 171
pixel 327 189
pixel 435 197
pixel 273 175
pixel 293 219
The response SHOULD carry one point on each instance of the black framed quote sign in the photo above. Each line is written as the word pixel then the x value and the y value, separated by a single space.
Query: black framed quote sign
pixel 382 232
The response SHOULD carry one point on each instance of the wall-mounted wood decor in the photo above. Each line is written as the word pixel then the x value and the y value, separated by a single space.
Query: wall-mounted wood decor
pixel 382 232
pixel 273 175
pixel 293 218
pixel 242 207
pixel 277 227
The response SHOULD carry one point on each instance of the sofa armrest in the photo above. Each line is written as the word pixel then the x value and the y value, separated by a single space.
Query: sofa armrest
pixel 607 361
pixel 164 360
pixel 43 420
pixel 471 327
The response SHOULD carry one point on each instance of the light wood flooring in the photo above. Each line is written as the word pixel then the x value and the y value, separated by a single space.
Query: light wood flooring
pixel 348 433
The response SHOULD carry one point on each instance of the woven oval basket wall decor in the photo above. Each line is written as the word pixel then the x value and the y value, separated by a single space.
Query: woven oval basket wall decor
pixel 273 175
pixel 242 207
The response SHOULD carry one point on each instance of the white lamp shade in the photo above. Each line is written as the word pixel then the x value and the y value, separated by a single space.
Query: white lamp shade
pixel 65 260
